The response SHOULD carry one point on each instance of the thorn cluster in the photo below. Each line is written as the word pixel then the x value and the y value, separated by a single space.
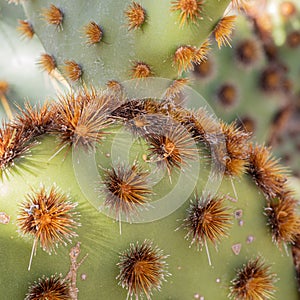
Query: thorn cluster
pixel 49 217
pixel 53 15
pixel 47 63
pixel 190 10
pixel 142 269
pixel 136 16
pixel 171 146
pixel 207 218
pixel 266 172
pixel 205 70
pixel 82 119
pixel 14 144
pixel 126 190
pixel 223 30
pixel 175 90
pixel 93 33
pixel 34 120
pixel 141 70
pixel 26 29
pixel 186 56
pixel 49 289
pixel 253 281
pixel 283 220
pixel 233 158
pixel 72 70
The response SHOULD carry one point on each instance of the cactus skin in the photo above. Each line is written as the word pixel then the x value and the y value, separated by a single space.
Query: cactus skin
pixel 100 237
pixel 190 274
pixel 153 43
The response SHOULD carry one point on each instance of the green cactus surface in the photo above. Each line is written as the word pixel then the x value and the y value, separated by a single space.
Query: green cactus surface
pixel 193 264
pixel 134 189
pixel 122 45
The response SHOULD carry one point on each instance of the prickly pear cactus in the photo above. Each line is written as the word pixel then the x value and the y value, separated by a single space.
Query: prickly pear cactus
pixel 150 212
pixel 137 191
pixel 122 40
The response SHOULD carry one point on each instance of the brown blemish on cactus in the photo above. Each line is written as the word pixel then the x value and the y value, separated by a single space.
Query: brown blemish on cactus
pixel 4 218
pixel 198 124
pixel 49 217
pixel 54 287
pixel 47 63
pixel 142 269
pixel 266 172
pixel 247 52
pixel 223 30
pixel 190 10
pixel 136 16
pixel 25 28
pixel 186 56
pixel 141 70
pixel 253 281
pixel 207 219
pixel 93 33
pixel 53 15
pixel 227 95
pixel 127 190
pixel 283 220
pixel 72 70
